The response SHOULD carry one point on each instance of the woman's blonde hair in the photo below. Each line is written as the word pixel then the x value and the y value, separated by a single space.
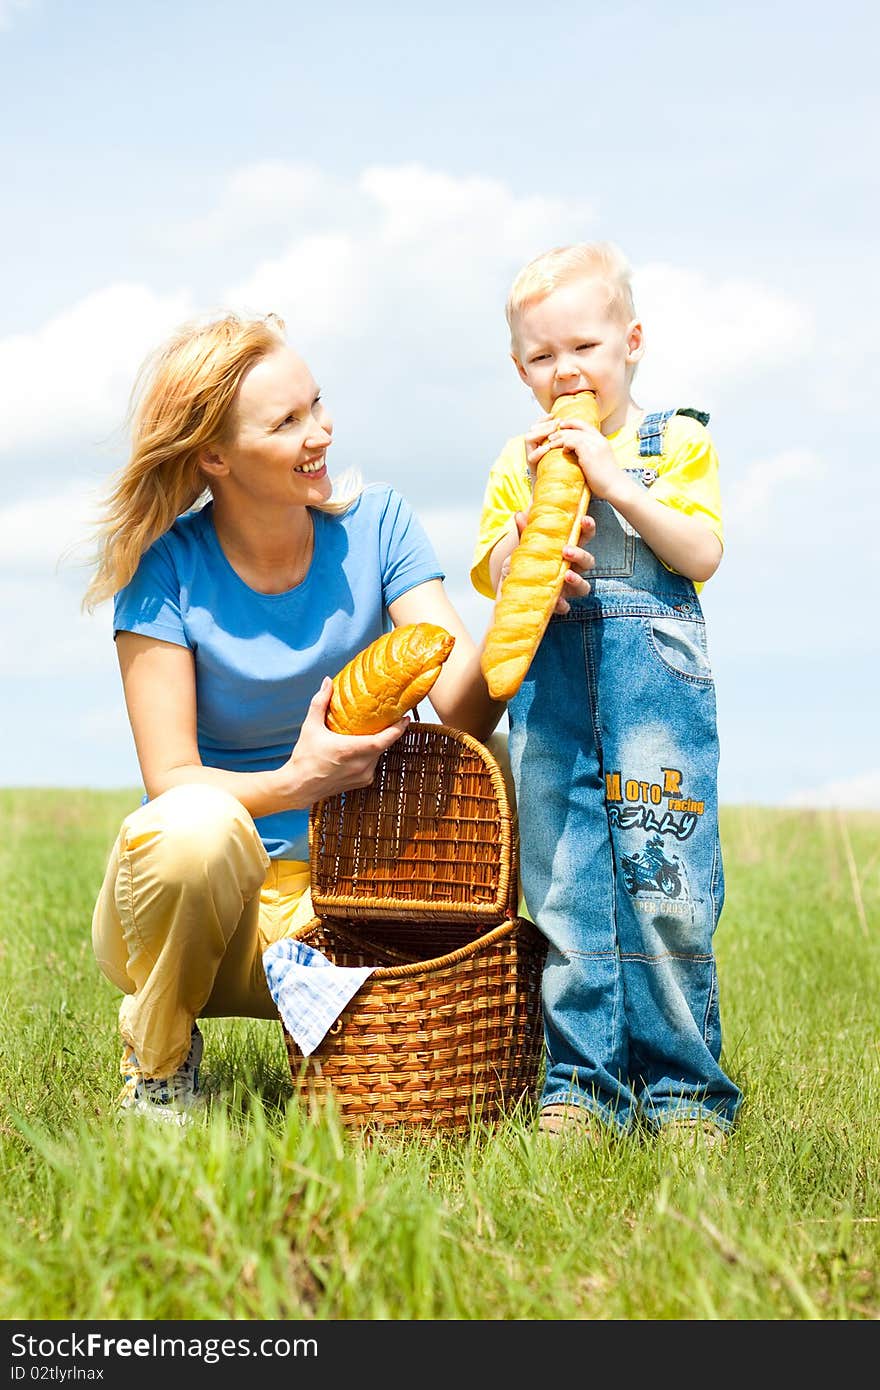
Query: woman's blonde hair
pixel 182 402
pixel 585 260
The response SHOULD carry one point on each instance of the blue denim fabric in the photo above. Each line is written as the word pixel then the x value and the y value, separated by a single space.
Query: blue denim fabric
pixel 614 753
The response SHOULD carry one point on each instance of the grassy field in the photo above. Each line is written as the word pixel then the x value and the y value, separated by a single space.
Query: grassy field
pixel 265 1213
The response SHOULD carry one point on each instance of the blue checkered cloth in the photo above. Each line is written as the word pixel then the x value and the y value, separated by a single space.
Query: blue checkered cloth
pixel 309 991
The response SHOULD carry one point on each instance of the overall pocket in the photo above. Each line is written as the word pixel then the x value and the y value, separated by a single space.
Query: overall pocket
pixel 614 545
pixel 679 644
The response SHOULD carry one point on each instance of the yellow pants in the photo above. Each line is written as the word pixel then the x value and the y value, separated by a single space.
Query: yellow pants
pixel 189 903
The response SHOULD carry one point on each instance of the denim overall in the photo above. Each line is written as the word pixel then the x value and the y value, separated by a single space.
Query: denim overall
pixel 614 752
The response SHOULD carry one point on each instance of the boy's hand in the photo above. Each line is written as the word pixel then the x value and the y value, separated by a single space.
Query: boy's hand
pixel 589 446
pixel 536 442
pixel 575 584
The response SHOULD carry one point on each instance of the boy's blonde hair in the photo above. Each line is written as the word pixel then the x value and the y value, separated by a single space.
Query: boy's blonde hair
pixel 183 401
pixel 587 260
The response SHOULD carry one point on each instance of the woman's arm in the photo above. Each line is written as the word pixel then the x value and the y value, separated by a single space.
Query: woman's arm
pixel 159 682
pixel 459 694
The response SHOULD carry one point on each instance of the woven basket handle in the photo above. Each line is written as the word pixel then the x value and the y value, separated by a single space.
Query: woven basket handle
pixel 431 837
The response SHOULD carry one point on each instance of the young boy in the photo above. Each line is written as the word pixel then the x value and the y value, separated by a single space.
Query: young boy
pixel 613 743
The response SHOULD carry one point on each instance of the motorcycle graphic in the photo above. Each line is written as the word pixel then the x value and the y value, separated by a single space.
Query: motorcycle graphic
pixel 642 872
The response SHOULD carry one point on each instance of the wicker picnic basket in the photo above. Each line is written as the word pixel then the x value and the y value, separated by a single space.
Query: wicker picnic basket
pixel 415 875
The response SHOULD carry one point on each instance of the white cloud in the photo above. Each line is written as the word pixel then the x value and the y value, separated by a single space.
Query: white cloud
pixel 861 792
pixel 399 311
pixel 46 634
pixel 424 210
pixel 752 500
pixel 421 262
pixel 846 378
pixel 318 286
pixel 706 338
pixel 71 378
pixel 273 194
pixel 452 531
pixel 41 534
pixel 398 305
pixel 393 284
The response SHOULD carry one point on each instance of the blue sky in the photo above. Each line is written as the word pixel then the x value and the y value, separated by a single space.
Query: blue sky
pixel 378 178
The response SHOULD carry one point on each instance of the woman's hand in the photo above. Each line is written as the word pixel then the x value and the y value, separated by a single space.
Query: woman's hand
pixel 575 584
pixel 323 763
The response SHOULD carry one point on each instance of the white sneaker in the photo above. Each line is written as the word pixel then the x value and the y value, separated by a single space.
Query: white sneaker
pixel 173 1099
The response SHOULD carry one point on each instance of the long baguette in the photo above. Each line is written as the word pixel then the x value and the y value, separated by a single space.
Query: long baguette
pixel 537 566
pixel 387 678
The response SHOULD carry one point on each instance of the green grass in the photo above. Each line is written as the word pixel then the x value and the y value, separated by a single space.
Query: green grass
pixel 265 1213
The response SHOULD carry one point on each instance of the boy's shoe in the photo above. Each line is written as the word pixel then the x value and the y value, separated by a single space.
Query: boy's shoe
pixel 700 1136
pixel 569 1119
pixel 173 1099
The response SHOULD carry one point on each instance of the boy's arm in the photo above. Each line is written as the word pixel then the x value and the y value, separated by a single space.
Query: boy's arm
pixel 505 508
pixel 501 551
pixel 575 583
pixel 507 492
pixel 684 542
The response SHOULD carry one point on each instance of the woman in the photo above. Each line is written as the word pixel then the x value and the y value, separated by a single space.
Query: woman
pixel 230 618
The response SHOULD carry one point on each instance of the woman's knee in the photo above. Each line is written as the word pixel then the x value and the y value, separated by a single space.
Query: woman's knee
pixel 195 829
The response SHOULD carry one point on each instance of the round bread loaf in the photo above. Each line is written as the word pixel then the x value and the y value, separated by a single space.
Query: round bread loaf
pixel 387 678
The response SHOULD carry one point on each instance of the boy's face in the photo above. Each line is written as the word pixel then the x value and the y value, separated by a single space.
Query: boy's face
pixel 570 341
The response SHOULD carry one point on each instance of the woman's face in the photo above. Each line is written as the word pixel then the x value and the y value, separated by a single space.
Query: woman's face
pixel 281 433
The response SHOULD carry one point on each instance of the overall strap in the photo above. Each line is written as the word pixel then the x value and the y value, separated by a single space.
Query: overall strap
pixel 653 428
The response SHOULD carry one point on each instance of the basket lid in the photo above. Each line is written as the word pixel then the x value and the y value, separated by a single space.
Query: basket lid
pixel 430 838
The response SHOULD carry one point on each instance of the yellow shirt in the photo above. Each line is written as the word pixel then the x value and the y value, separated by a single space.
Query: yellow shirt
pixel 687 480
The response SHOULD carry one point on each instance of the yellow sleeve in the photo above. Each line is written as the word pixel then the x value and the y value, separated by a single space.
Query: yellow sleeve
pixel 508 491
pixel 687 477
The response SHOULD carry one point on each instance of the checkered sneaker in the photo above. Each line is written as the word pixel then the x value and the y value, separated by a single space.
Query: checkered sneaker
pixel 173 1099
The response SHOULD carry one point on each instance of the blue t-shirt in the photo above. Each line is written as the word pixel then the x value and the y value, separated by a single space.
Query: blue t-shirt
pixel 259 658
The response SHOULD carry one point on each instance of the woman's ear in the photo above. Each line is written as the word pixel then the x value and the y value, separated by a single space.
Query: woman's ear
pixel 211 463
